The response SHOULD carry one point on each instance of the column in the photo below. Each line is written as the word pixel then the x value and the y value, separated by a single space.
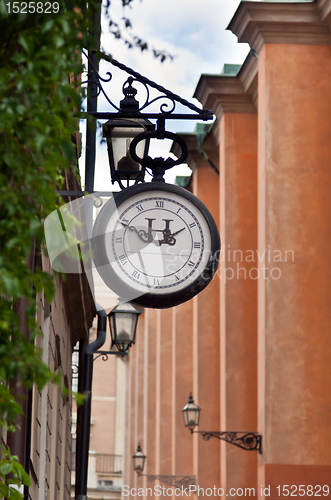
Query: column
pixel 206 356
pixel 294 319
pixel 150 392
pixel 233 100
pixel 182 384
pixel 164 445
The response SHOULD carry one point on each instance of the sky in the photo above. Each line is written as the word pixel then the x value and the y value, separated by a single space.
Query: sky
pixel 193 31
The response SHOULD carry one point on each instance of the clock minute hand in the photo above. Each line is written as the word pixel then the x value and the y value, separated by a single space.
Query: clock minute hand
pixel 142 234
pixel 145 236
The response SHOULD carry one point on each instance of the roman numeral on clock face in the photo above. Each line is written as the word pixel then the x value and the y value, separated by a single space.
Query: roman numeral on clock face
pixel 122 259
pixel 159 204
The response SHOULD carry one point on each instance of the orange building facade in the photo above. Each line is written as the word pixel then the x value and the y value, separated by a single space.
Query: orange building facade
pixel 255 346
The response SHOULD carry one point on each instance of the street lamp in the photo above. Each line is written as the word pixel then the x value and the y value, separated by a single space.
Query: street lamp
pixel 191 413
pixel 123 321
pixel 138 460
pixel 246 440
pixel 130 119
pixel 119 134
pixel 173 480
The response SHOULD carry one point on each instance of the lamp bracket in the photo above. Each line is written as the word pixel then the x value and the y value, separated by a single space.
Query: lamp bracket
pixel 129 106
pixel 246 440
pixel 104 354
pixel 176 481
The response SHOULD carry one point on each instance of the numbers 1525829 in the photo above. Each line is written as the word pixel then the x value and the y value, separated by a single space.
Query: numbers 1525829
pixel 302 490
pixel 33 7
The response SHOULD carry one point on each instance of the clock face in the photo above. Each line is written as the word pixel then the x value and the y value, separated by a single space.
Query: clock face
pixel 156 245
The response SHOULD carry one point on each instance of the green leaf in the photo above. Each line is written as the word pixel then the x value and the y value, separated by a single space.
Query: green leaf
pixel 15 494
pixel 26 478
pixel 6 468
pixel 24 43
pixel 35 225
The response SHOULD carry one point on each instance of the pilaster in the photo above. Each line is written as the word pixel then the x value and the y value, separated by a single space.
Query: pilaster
pixel 294 103
pixel 206 344
pixel 233 100
pixel 229 94
pixel 294 123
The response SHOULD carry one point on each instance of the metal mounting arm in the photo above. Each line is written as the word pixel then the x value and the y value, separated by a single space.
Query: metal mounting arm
pixel 246 440
pixel 168 99
pixel 176 481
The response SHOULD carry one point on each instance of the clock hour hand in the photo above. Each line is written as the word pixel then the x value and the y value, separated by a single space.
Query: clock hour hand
pixel 168 237
pixel 179 231
pixel 146 237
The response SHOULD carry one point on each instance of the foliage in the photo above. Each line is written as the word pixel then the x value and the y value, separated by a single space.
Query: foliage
pixel 37 98
pixel 122 29
pixel 40 66
pixel 12 474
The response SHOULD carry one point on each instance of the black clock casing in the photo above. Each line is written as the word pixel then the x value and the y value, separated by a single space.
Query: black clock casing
pixel 158 248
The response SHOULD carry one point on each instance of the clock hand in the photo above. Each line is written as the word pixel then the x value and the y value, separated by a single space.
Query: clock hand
pixel 142 234
pixel 168 237
pixel 179 231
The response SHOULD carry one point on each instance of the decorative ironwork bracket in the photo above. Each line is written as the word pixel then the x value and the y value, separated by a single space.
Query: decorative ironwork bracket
pixel 176 481
pixel 246 440
pixel 167 106
pixel 104 354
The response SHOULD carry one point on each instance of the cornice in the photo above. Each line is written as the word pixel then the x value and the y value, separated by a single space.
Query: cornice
pixel 324 7
pixel 230 94
pixel 192 146
pixel 257 23
pixel 248 77
pixel 194 157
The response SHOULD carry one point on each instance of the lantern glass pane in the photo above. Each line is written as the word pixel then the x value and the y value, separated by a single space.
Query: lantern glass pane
pixel 125 323
pixel 138 462
pixel 191 417
pixel 191 414
pixel 121 138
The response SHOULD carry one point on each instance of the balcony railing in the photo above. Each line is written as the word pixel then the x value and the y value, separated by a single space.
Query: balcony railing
pixel 109 464
pixel 104 464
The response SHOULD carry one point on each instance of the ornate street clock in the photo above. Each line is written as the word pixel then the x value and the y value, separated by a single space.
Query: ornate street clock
pixel 157 246
pixel 153 244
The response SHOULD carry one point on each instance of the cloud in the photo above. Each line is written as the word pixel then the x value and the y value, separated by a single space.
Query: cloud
pixel 194 31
